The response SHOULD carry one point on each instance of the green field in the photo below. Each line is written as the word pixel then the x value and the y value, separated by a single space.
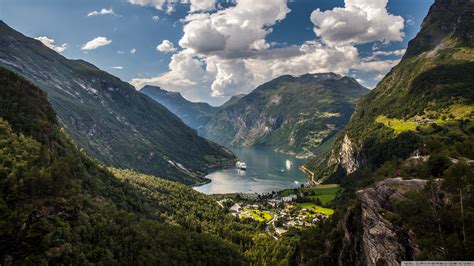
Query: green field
pixel 313 209
pixel 260 216
pixel 446 116
pixel 325 193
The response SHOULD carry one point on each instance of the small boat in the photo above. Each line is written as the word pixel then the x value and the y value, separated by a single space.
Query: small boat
pixel 241 165
pixel 288 164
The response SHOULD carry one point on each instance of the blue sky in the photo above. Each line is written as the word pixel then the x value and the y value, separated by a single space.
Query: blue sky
pixel 225 47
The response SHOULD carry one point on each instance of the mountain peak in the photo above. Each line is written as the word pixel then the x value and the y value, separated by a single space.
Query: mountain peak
pixel 448 23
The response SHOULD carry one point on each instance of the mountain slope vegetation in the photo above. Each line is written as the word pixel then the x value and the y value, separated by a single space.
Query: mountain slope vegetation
pixel 405 159
pixel 108 118
pixel 58 206
pixel 290 114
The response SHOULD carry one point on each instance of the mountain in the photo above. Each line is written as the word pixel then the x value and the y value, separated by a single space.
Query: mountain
pixel 58 206
pixel 425 102
pixel 232 100
pixel 108 117
pixel 195 115
pixel 290 114
pixel 405 160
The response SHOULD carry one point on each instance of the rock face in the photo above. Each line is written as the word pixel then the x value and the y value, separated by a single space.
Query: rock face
pixel 369 237
pixel 347 156
pixel 108 118
pixel 293 115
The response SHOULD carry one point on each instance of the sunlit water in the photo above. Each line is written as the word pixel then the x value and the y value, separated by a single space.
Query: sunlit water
pixel 266 171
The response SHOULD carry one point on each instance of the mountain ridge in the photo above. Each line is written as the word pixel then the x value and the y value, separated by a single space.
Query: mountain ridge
pixel 277 112
pixel 100 112
pixel 194 114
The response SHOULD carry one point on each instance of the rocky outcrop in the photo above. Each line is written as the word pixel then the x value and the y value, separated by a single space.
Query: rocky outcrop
pixel 370 238
pixel 347 156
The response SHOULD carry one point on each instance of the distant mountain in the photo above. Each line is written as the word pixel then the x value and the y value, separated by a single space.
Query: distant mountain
pixel 108 117
pixel 57 206
pixel 234 99
pixel 294 115
pixel 195 115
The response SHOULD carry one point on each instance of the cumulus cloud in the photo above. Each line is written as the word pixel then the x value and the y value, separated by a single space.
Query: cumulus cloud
pixel 234 31
pixel 225 52
pixel 166 47
pixel 103 11
pixel 50 44
pixel 155 18
pixel 96 43
pixel 359 21
pixel 187 75
pixel 117 67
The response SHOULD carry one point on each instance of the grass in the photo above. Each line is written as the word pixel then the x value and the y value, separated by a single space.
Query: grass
pixel 260 216
pixel 399 125
pixel 325 193
pixel 313 209
pixel 441 117
pixel 323 198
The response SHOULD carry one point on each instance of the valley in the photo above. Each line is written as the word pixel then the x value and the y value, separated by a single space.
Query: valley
pixel 260 144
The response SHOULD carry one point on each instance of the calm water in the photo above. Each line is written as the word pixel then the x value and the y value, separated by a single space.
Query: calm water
pixel 266 172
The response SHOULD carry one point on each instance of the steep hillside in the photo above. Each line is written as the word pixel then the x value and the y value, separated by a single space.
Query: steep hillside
pixel 57 206
pixel 108 117
pixel 426 102
pixel 195 115
pixel 290 114
pixel 406 159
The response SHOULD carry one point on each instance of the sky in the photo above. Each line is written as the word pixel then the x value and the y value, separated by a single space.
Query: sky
pixel 210 50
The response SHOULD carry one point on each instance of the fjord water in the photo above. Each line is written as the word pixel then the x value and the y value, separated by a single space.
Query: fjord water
pixel 266 171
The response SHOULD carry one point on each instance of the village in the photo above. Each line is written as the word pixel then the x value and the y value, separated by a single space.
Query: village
pixel 280 211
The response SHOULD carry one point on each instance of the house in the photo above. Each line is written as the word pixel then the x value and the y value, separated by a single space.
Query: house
pixel 235 208
pixel 289 198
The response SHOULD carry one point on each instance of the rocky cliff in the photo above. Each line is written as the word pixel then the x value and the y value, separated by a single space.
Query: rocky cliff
pixel 370 238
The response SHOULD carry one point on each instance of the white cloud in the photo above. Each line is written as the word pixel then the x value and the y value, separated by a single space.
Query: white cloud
pixel 225 52
pixel 132 51
pixel 166 47
pixel 158 4
pixel 96 43
pixel 117 67
pixel 202 5
pixel 50 44
pixel 393 52
pixel 410 20
pixel 359 21
pixel 234 31
pixel 169 6
pixel 103 11
pixel 155 18
pixel 120 52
